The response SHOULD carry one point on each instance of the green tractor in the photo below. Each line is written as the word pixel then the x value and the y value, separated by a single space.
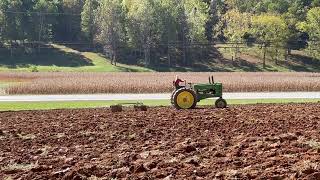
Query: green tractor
pixel 188 95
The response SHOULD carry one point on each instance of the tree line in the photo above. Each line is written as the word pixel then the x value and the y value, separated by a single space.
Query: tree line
pixel 175 31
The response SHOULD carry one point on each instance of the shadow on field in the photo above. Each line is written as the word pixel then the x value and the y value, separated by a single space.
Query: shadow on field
pixel 126 69
pixel 212 62
pixel 298 62
pixel 214 65
pixel 20 57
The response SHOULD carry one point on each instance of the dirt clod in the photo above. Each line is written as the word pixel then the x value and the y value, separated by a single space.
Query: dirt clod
pixel 116 108
pixel 190 148
pixel 140 107
pixel 1 133
pixel 140 168
pixel 288 137
pixel 41 168
pixel 314 176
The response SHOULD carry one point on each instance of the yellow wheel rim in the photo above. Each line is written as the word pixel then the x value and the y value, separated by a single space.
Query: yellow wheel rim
pixel 185 100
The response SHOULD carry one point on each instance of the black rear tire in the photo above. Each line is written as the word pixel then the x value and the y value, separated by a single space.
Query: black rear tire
pixel 172 95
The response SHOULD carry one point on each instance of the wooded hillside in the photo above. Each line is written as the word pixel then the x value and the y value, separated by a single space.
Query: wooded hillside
pixel 151 32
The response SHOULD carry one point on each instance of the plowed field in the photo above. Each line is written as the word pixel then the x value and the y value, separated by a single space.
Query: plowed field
pixel 241 142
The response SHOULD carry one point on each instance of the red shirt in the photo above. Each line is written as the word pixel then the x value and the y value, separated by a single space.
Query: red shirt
pixel 177 82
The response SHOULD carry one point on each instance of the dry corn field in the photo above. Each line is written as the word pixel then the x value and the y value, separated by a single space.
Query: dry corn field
pixel 86 83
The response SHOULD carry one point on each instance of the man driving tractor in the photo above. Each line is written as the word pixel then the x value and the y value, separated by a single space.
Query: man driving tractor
pixel 177 83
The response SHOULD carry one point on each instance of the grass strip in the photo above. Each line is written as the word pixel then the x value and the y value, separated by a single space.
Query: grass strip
pixel 18 106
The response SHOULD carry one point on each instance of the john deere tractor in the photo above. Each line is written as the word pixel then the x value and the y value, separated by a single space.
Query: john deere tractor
pixel 188 95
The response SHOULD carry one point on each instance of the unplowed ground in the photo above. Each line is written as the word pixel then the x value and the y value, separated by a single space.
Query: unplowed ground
pixel 241 142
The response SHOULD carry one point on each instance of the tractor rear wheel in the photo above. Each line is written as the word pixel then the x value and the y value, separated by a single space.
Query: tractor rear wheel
pixel 172 99
pixel 184 99
pixel 221 103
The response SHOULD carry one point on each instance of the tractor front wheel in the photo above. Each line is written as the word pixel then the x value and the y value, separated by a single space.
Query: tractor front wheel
pixel 221 103
pixel 184 99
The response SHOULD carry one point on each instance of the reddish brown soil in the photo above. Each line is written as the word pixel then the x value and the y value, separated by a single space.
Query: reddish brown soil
pixel 241 142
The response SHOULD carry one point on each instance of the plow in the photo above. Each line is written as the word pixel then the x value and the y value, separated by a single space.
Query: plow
pixel 136 106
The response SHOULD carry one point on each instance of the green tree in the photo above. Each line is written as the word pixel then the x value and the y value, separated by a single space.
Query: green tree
pixel 315 3
pixel 237 26
pixel 311 26
pixel 110 30
pixel 276 6
pixel 192 18
pixel 168 18
pixel 197 13
pixel 242 5
pixel 13 29
pixel 214 26
pixel 272 31
pixel 68 25
pixel 144 25
pixel 2 25
pixel 46 18
pixel 87 19
pixel 183 31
